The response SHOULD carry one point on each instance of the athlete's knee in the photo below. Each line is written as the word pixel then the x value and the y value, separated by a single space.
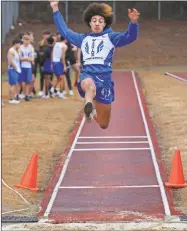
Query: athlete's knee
pixel 88 85
pixel 91 87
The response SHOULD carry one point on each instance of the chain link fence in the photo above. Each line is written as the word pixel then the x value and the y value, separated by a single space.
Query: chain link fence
pixel 73 10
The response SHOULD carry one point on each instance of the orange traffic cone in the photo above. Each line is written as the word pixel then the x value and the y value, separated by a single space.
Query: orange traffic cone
pixel 29 178
pixel 176 179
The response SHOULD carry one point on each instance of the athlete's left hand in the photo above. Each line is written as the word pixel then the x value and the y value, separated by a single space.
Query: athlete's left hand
pixel 133 15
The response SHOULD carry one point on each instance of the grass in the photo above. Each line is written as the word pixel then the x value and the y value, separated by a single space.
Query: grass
pixel 4 77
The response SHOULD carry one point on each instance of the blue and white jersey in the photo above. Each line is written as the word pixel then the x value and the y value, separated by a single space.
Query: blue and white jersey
pixel 97 48
pixel 58 51
pixel 26 52
pixel 15 60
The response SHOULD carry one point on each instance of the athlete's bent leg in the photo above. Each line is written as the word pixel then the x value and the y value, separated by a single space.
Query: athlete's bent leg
pixel 41 80
pixel 47 83
pixel 76 68
pixel 103 114
pixel 68 79
pixel 89 88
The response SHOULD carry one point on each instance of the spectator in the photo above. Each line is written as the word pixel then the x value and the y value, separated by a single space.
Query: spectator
pixel 14 71
pixel 26 58
pixel 71 57
pixel 42 47
pixel 46 65
pixel 34 64
pixel 59 66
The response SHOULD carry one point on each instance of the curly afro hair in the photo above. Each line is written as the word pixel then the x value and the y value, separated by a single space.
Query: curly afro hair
pixel 101 9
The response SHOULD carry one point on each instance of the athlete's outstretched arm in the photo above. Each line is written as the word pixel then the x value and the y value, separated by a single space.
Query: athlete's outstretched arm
pixel 63 29
pixel 120 39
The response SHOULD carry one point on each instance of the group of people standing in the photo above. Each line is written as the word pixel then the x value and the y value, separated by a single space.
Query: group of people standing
pixel 53 58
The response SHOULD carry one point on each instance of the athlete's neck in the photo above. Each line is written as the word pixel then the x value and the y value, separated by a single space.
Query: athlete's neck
pixel 14 47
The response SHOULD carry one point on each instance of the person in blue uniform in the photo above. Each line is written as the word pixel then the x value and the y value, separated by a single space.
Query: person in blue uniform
pixel 46 65
pixel 97 47
pixel 14 70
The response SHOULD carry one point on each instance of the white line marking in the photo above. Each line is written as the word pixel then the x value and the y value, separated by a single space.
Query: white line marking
pixel 175 76
pixel 13 211
pixel 110 149
pixel 111 137
pixel 103 187
pixel 115 142
pixel 53 196
pixel 5 184
pixel 159 179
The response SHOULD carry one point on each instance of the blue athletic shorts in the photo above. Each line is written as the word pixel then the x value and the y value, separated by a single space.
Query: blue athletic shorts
pixel 104 87
pixel 13 77
pixel 20 78
pixel 26 75
pixel 58 68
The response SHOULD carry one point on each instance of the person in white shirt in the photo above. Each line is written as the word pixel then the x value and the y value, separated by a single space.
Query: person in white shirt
pixel 59 66
pixel 34 65
pixel 14 71
pixel 27 58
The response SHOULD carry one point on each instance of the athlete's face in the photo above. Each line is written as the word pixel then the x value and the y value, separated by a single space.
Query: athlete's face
pixel 45 36
pixel 58 37
pixel 31 39
pixel 97 24
pixel 55 38
pixel 26 42
pixel 17 46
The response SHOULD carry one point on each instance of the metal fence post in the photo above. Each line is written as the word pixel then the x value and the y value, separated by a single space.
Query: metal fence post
pixel 66 6
pixel 159 10
pixel 114 10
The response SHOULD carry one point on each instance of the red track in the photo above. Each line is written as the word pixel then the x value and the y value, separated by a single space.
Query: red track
pixel 178 75
pixel 113 174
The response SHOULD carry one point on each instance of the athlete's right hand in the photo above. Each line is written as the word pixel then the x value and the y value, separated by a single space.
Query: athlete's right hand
pixel 54 4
